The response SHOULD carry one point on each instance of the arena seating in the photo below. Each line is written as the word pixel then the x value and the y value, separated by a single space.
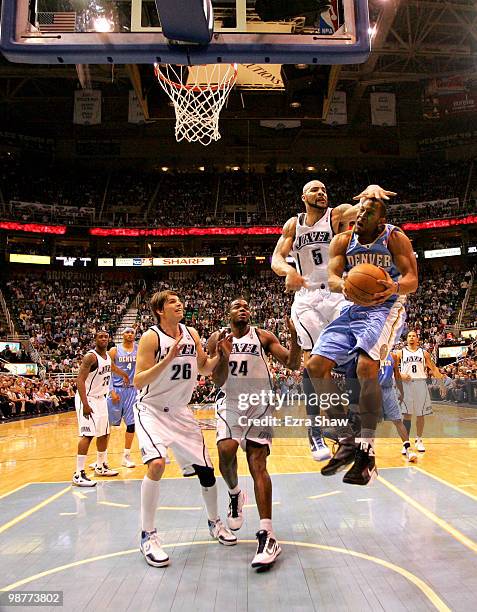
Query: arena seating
pixel 136 197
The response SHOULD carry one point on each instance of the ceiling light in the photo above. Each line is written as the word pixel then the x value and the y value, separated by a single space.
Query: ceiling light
pixel 101 24
pixel 295 104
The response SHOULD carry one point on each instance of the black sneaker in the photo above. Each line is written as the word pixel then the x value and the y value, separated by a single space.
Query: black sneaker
pixel 268 550
pixel 343 457
pixel 363 471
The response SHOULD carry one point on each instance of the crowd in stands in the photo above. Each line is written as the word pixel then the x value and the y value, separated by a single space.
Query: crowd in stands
pixel 167 199
pixel 21 396
pixel 61 315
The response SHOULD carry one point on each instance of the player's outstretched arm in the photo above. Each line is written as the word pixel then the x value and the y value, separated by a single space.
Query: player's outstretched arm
pixel 87 364
pixel 293 280
pixel 336 264
pixel 220 346
pixel 344 214
pixel 147 370
pixel 288 357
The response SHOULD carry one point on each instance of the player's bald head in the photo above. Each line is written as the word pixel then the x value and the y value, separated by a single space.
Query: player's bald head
pixel 311 184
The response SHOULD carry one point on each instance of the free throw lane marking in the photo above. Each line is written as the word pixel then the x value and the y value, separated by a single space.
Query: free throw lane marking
pixel 28 513
pixel 455 533
pixel 324 495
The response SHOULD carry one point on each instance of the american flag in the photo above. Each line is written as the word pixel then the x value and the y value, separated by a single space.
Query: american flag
pixel 57 22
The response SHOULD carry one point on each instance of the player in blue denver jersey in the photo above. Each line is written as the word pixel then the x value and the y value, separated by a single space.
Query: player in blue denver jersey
pixel 122 396
pixel 366 331
pixel 390 379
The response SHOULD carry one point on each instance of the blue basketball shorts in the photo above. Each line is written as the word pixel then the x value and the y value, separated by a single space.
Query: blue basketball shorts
pixel 391 408
pixel 123 409
pixel 373 330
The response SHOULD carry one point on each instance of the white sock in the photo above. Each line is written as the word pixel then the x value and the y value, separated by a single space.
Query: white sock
pixel 210 499
pixel 266 524
pixel 149 499
pixel 235 490
pixel 127 452
pixel 80 463
pixel 101 458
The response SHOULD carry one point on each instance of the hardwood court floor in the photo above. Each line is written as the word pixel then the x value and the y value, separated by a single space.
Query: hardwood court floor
pixel 409 542
pixel 44 450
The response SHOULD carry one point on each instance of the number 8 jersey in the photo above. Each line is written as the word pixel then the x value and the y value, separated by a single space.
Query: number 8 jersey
pixel 174 387
pixel 310 251
pixel 413 363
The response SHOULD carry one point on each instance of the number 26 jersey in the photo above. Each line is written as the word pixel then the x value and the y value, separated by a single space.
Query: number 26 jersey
pixel 173 388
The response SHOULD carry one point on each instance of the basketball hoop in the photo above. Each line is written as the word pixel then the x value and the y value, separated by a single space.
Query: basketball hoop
pixel 198 94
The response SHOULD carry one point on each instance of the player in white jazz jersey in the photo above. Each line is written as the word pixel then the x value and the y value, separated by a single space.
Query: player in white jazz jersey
pixel 413 363
pixel 242 374
pixel 168 359
pixel 306 238
pixel 92 408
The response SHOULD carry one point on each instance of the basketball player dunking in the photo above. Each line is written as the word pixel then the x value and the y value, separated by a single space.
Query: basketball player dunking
pixel 413 363
pixel 307 238
pixel 169 357
pixel 242 372
pixel 122 396
pixel 92 409
pixel 366 331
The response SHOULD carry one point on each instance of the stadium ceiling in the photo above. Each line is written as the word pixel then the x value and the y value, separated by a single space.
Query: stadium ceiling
pixel 413 41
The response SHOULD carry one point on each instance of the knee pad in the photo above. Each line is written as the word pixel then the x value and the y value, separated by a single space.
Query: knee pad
pixel 130 428
pixel 205 475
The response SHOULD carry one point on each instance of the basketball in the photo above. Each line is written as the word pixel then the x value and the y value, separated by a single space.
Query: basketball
pixel 361 283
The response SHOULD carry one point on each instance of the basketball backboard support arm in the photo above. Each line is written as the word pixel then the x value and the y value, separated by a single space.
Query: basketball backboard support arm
pixel 245 41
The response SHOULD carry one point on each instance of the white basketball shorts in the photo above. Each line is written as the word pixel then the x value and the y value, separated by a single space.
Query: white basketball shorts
pixel 160 428
pixel 97 424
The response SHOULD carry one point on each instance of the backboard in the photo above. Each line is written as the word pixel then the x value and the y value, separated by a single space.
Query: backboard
pixel 129 31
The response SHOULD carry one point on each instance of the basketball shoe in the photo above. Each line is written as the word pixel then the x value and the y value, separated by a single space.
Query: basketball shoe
pixel 419 445
pixel 220 533
pixel 151 549
pixel 268 550
pixel 235 511
pixel 126 462
pixel 319 450
pixel 104 470
pixel 363 471
pixel 343 457
pixel 81 480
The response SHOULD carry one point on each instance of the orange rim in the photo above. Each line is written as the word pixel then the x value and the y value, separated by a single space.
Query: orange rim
pixel 196 88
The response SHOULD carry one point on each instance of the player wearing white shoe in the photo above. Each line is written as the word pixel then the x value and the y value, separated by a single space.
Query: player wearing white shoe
pixel 413 363
pixel 168 359
pixel 92 409
pixel 122 396
pixel 306 238
pixel 242 373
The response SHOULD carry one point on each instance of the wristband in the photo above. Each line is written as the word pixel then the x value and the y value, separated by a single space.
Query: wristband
pixel 397 288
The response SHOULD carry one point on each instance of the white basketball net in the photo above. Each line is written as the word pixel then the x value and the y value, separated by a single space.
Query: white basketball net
pixel 198 101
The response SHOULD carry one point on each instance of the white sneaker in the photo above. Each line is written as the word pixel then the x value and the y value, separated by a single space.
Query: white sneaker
pixel 127 462
pixel 81 480
pixel 104 470
pixel 319 450
pixel 411 456
pixel 419 445
pixel 235 511
pixel 220 532
pixel 151 549
pixel 268 550
pixel 403 450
